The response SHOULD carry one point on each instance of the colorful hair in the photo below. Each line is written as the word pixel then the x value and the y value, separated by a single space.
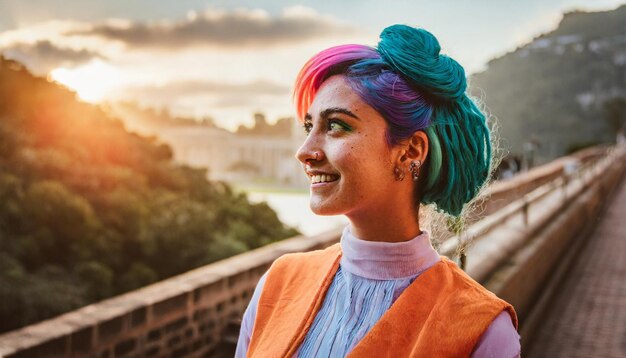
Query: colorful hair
pixel 414 88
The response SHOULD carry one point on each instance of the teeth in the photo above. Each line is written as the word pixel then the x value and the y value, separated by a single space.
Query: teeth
pixel 323 178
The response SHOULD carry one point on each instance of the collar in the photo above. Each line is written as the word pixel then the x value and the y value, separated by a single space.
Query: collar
pixel 379 260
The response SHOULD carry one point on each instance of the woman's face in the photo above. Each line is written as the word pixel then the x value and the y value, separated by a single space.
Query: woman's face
pixel 349 137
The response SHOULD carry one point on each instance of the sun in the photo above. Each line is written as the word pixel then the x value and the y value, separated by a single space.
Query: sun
pixel 92 82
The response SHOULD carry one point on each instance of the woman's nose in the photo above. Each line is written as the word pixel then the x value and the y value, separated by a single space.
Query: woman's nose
pixel 309 152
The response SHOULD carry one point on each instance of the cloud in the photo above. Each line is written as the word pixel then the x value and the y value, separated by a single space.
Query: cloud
pixel 43 56
pixel 203 88
pixel 231 104
pixel 236 28
pixel 213 95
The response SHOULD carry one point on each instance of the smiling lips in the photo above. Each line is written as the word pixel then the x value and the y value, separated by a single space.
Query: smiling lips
pixel 323 178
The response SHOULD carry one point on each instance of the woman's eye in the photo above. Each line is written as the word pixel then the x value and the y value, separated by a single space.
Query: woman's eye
pixel 308 126
pixel 337 125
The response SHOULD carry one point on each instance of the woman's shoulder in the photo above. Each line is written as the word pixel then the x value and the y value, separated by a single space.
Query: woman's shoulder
pixel 291 268
pixel 463 291
pixel 463 281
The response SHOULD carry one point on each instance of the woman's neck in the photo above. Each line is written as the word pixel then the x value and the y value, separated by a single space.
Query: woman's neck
pixel 386 260
pixel 387 227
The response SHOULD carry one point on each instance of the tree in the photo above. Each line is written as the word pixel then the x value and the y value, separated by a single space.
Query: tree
pixel 89 210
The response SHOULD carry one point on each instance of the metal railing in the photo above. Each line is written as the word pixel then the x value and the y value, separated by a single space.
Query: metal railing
pixel 575 178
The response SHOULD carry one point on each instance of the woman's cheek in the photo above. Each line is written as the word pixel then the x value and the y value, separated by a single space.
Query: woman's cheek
pixel 347 157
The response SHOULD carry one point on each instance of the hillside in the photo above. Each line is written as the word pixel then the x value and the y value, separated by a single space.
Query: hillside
pixel 552 91
pixel 89 210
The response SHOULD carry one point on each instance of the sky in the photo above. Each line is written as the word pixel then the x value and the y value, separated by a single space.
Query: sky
pixel 229 59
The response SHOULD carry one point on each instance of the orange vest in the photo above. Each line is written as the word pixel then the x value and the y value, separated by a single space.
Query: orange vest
pixel 443 313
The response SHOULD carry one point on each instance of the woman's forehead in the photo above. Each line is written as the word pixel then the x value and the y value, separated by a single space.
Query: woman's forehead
pixel 336 95
pixel 336 92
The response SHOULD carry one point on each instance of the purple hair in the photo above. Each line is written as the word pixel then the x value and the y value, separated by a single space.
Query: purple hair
pixel 404 108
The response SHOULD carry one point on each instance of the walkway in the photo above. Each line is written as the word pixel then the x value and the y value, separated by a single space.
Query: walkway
pixel 588 316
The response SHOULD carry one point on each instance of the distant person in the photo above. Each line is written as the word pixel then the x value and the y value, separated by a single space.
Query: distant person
pixel 388 128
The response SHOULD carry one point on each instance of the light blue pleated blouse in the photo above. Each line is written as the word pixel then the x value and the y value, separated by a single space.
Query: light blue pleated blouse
pixel 368 281
pixel 370 278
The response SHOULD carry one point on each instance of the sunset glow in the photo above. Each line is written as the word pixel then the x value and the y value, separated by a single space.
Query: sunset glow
pixel 188 59
pixel 92 82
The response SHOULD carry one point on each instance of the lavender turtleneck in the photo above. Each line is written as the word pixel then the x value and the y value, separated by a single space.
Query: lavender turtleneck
pixel 371 276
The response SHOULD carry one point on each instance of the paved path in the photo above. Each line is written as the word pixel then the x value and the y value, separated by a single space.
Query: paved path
pixel 588 316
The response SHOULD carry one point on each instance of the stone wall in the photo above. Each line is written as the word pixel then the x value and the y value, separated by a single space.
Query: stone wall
pixel 180 316
pixel 502 193
pixel 529 275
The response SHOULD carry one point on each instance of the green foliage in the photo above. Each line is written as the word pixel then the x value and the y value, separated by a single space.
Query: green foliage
pixel 88 210
pixel 139 274
pixel 97 279
pixel 29 297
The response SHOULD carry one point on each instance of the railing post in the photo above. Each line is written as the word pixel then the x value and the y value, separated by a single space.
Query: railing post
pixel 463 261
pixel 525 211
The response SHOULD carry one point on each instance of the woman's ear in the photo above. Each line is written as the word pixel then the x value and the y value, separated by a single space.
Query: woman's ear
pixel 415 148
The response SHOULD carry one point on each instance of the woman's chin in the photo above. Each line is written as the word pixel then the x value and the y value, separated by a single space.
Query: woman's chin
pixel 319 208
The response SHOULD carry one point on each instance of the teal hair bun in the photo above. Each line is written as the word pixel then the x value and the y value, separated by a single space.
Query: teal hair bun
pixel 415 54
pixel 459 156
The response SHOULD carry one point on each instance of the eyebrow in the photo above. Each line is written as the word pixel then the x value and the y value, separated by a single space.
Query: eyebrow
pixel 328 111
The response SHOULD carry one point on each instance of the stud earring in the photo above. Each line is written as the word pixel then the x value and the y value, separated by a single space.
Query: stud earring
pixel 398 173
pixel 414 168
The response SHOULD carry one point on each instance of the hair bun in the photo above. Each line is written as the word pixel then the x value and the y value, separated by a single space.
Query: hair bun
pixel 415 54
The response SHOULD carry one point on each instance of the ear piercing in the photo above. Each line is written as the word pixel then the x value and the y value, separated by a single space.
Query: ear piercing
pixel 398 173
pixel 414 168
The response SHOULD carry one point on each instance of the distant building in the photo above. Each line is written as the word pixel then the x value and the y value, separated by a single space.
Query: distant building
pixel 240 159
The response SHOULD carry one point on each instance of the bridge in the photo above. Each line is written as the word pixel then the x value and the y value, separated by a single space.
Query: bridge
pixel 551 242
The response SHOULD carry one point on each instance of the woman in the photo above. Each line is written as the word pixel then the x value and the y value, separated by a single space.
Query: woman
pixel 375 118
